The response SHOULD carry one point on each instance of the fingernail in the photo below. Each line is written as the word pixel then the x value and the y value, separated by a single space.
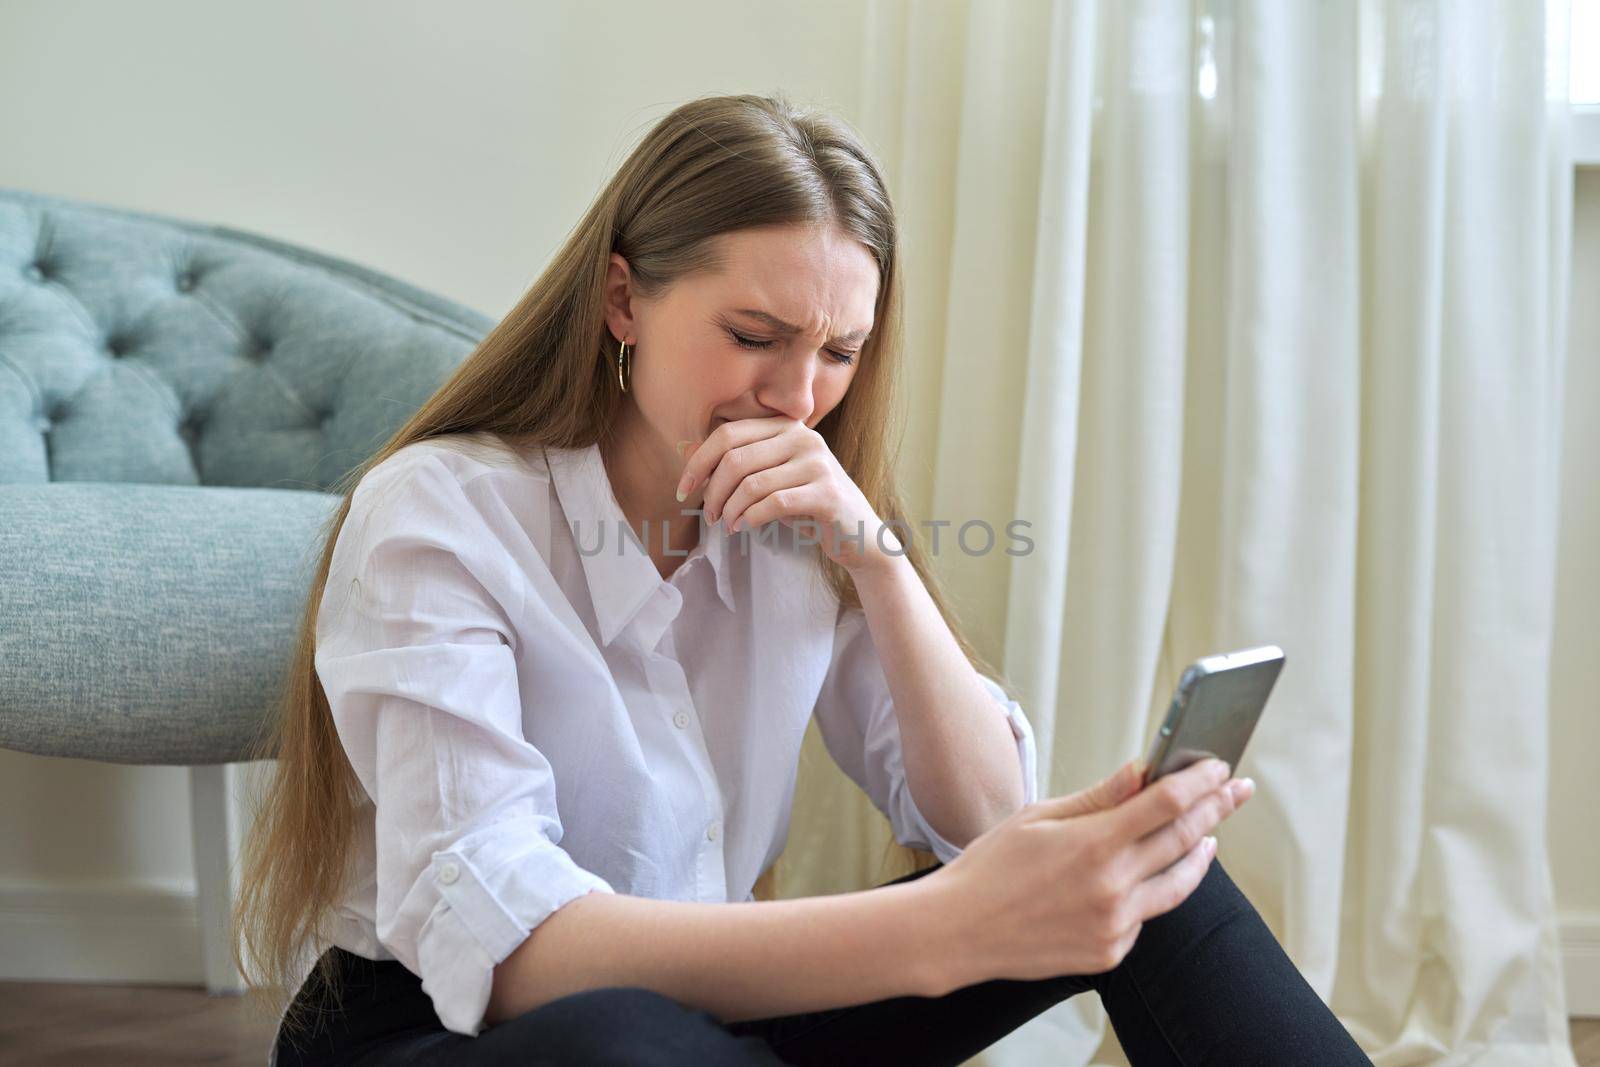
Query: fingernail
pixel 1244 788
pixel 1211 845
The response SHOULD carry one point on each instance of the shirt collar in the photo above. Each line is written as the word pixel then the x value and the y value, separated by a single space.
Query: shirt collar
pixel 620 581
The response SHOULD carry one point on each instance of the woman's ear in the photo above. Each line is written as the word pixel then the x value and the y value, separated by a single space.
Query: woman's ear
pixel 619 299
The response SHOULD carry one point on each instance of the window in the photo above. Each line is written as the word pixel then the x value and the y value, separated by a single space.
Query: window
pixel 1584 65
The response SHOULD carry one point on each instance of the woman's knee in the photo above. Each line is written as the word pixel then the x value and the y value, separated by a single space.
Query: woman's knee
pixel 1215 907
pixel 1216 895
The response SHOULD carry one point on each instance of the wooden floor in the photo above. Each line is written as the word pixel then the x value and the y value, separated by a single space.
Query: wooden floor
pixel 70 1024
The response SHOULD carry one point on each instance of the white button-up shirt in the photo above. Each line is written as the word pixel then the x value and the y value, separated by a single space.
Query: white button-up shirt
pixel 535 715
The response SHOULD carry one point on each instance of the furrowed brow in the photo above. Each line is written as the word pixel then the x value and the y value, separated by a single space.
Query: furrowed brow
pixel 772 322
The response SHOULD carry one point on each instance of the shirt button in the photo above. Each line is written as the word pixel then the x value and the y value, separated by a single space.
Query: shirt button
pixel 449 873
pixel 682 719
pixel 711 832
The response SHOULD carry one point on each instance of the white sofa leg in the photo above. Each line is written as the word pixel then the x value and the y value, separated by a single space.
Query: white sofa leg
pixel 215 824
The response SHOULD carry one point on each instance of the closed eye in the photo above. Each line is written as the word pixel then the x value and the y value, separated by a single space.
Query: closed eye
pixel 843 358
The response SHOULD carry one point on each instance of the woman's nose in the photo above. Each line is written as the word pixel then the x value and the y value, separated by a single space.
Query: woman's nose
pixel 790 388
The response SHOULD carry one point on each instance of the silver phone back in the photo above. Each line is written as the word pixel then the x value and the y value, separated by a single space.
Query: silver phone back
pixel 1215 709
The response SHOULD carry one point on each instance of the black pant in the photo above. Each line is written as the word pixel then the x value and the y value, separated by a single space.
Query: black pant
pixel 1205 983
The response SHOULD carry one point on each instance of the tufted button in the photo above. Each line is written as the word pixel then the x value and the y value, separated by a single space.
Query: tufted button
pixel 42 424
pixel 34 271
pixel 681 720
pixel 185 281
pixel 448 873
pixel 116 346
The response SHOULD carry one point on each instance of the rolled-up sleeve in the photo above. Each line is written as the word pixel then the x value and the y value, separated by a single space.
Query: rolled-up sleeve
pixel 856 718
pixel 415 652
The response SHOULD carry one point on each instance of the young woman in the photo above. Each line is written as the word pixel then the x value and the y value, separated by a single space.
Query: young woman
pixel 569 628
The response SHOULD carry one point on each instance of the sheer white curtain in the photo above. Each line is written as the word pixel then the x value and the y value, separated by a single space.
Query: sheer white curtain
pixel 1256 312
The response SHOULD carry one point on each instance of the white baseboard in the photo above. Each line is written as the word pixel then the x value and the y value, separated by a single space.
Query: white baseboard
pixel 113 932
pixel 131 933
pixel 1580 960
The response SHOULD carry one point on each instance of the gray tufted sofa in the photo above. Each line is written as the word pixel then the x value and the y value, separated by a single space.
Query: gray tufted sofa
pixel 175 401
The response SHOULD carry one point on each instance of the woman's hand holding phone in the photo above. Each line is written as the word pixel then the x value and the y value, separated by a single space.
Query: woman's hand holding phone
pixel 1064 885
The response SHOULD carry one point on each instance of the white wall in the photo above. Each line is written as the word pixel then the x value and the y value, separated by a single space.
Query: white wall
pixel 1575 665
pixel 452 145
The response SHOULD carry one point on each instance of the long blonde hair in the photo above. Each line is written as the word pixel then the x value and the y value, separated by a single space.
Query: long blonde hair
pixel 544 376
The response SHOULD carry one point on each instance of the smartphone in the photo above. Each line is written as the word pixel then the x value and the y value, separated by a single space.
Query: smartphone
pixel 1214 710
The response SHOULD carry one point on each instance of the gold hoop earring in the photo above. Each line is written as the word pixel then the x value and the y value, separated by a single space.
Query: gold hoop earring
pixel 623 362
